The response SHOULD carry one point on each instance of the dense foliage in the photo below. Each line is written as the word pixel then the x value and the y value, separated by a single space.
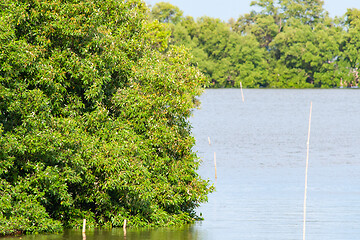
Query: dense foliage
pixel 93 118
pixel 285 44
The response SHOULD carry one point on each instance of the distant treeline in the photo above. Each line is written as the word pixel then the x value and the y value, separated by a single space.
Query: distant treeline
pixel 286 44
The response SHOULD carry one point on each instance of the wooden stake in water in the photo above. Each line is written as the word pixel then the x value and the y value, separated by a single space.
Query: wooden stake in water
pixel 124 227
pixel 209 140
pixel 306 172
pixel 84 225
pixel 215 165
pixel 242 95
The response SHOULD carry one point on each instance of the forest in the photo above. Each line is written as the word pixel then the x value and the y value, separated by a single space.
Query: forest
pixel 285 44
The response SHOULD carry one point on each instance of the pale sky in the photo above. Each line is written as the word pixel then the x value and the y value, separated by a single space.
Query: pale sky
pixel 226 9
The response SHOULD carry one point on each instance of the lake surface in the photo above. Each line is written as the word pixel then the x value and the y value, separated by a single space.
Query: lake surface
pixel 260 147
pixel 260 150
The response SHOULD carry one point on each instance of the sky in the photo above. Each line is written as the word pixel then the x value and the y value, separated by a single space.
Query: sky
pixel 226 9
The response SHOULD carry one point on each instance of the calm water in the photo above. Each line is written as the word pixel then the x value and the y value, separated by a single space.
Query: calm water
pixel 260 149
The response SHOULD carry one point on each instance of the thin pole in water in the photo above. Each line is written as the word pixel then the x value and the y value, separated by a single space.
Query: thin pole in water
pixel 124 227
pixel 84 226
pixel 209 140
pixel 215 165
pixel 306 172
pixel 242 95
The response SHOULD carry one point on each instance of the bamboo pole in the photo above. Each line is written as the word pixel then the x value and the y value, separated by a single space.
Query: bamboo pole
pixel 242 94
pixel 306 172
pixel 124 227
pixel 215 165
pixel 84 226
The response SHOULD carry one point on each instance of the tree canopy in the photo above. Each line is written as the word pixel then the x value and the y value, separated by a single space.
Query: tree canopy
pixel 285 44
pixel 94 109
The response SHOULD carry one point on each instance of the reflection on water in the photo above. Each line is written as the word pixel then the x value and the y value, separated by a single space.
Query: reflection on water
pixel 183 233
pixel 260 150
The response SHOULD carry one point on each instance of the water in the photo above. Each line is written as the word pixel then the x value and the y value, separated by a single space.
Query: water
pixel 260 149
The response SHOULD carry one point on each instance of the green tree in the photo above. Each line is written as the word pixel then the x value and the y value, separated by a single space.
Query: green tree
pixel 225 56
pixel 309 12
pixel 267 23
pixel 166 13
pixel 312 50
pixel 93 118
pixel 349 61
